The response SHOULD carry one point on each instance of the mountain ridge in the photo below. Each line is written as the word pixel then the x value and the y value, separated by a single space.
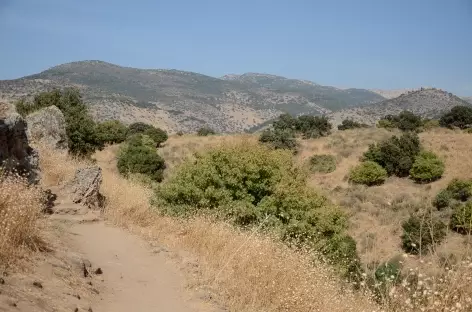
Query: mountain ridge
pixel 182 100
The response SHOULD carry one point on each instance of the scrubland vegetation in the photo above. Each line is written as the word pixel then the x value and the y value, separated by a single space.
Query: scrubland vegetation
pixel 364 219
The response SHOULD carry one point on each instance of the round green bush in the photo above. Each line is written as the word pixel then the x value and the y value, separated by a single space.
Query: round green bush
pixel 322 163
pixel 112 131
pixel 421 233
pixel 137 157
pixel 460 189
pixel 461 219
pixel 368 173
pixel 427 167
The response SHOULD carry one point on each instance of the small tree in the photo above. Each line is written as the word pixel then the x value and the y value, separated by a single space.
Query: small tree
pixel 138 127
pixel 112 131
pixel 459 116
pixel 158 135
pixel 461 219
pixel 322 163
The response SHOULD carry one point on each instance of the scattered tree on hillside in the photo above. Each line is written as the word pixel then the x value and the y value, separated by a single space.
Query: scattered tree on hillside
pixel 459 116
pixel 351 124
pixel 405 121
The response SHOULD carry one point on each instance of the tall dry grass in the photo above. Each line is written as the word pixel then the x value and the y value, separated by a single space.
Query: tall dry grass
pixel 20 210
pixel 252 272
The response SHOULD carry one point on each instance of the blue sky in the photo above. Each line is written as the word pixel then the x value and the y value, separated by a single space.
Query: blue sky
pixel 346 43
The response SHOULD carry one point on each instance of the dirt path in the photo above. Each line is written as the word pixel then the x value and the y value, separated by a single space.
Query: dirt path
pixel 134 277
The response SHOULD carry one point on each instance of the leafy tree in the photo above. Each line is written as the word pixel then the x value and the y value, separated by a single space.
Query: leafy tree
pixel 81 129
pixel 396 154
pixel 307 125
pixel 112 131
pixel 459 116
pixel 285 121
pixel 456 191
pixel 158 135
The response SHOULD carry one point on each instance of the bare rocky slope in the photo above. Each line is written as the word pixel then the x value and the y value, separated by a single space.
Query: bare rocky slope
pixel 428 103
pixel 179 100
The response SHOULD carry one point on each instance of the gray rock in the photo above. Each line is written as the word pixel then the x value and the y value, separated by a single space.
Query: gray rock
pixel 15 152
pixel 47 126
pixel 85 188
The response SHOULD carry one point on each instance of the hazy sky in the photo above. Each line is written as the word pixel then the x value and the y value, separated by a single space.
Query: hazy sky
pixel 347 43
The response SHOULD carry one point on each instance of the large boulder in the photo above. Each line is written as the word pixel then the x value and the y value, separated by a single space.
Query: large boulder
pixel 85 187
pixel 15 152
pixel 48 126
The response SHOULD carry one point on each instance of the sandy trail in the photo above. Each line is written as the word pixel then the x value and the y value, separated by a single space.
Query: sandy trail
pixel 134 277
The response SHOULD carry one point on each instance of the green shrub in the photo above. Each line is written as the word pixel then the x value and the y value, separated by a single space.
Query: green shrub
pixel 252 184
pixel 279 139
pixel 205 131
pixel 421 233
pixel 112 131
pixel 459 116
pixel 442 199
pixel 461 219
pixel 158 135
pixel 396 154
pixel 460 189
pixel 309 126
pixel 388 272
pixel 368 173
pixel 141 158
pixel 405 121
pixel 351 124
pixel 322 163
pixel 427 167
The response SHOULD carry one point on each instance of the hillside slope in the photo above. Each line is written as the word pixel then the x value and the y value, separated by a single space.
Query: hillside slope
pixel 179 100
pixel 425 102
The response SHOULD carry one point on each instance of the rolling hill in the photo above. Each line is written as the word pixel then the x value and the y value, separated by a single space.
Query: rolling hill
pixel 180 100
pixel 428 103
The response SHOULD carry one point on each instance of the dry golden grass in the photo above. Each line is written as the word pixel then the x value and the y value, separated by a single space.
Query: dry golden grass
pixel 20 209
pixel 256 273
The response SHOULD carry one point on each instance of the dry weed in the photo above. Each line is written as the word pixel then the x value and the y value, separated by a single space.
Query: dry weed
pixel 20 209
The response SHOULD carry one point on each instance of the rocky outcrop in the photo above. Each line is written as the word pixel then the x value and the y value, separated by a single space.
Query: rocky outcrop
pixel 47 126
pixel 85 187
pixel 15 152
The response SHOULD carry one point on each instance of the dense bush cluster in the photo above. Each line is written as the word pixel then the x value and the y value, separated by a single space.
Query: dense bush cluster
pixel 138 156
pixel 112 131
pixel 396 154
pixel 322 163
pixel 421 233
pixel 368 173
pixel 279 139
pixel 427 167
pixel 459 116
pixel 308 126
pixel 252 184
pixel 405 121
pixel 351 124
